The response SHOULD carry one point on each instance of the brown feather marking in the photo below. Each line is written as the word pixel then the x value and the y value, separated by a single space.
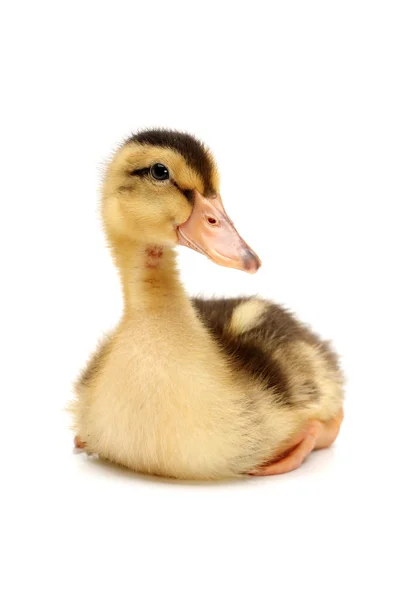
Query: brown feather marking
pixel 244 351
pixel 255 350
pixel 280 327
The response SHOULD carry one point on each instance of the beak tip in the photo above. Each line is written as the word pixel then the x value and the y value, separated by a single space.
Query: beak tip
pixel 251 262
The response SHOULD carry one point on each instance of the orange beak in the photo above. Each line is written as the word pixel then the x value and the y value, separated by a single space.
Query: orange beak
pixel 210 231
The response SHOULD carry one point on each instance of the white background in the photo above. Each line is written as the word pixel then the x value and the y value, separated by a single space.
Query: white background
pixel 300 102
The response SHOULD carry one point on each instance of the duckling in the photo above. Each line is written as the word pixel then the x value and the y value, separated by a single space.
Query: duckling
pixel 186 387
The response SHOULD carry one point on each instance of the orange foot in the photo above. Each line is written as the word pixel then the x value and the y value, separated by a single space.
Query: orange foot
pixel 318 434
pixel 78 443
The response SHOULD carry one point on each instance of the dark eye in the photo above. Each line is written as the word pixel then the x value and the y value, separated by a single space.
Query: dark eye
pixel 159 172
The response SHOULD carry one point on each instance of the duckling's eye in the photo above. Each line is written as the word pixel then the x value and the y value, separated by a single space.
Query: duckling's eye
pixel 159 172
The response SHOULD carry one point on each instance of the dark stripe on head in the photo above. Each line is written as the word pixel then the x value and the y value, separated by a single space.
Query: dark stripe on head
pixel 192 150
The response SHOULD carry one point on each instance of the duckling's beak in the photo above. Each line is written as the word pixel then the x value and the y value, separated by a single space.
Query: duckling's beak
pixel 210 231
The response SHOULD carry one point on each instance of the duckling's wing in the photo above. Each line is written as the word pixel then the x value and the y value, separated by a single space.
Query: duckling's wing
pixel 269 344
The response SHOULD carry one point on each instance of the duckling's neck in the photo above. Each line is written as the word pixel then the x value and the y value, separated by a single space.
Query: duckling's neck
pixel 149 276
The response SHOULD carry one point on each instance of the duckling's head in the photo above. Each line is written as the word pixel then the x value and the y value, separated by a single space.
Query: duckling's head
pixel 162 187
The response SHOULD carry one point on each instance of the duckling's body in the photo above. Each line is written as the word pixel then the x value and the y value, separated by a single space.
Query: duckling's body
pixel 199 389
